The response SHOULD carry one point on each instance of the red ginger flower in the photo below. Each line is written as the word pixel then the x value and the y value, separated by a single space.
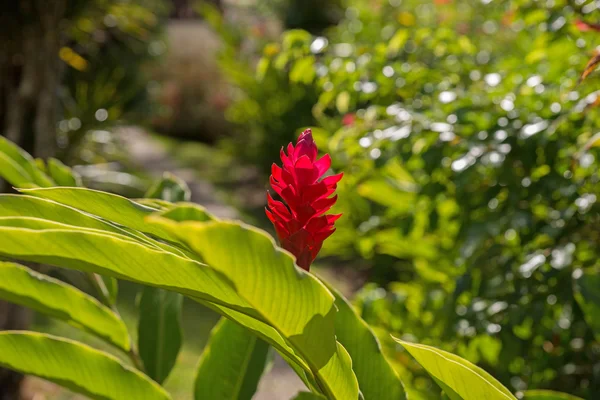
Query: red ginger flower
pixel 301 225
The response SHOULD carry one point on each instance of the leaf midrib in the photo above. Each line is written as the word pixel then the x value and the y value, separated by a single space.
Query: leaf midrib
pixel 247 358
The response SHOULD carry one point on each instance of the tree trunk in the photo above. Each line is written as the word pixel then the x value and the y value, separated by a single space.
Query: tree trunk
pixel 30 41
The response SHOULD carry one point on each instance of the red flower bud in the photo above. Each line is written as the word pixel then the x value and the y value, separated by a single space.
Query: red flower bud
pixel 299 221
pixel 583 26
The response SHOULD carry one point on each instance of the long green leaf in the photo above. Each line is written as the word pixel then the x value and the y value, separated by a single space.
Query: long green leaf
pixel 118 257
pixel 245 280
pixel 308 396
pixel 304 312
pixel 159 331
pixel 269 334
pixel 376 377
pixel 587 294
pixel 21 285
pixel 75 366
pixel 108 254
pixel 105 205
pixel 233 357
pixel 19 157
pixel 19 205
pixel 63 175
pixel 460 379
pixel 13 173
pixel 547 395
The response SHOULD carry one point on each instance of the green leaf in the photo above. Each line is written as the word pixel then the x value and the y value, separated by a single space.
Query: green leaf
pixel 67 217
pixel 25 163
pixel 459 379
pixel 75 366
pixel 15 205
pixel 547 395
pixel 377 379
pixel 159 331
pixel 169 188
pixel 382 192
pixel 397 42
pixel 185 212
pixel 588 297
pixel 269 334
pixel 105 205
pixel 233 357
pixel 63 175
pixel 13 173
pixel 23 286
pixel 308 396
pixel 241 284
pixel 116 256
pixel 303 70
pixel 259 271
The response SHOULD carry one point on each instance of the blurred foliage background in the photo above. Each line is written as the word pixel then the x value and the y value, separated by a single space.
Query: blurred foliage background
pixel 471 181
pixel 467 141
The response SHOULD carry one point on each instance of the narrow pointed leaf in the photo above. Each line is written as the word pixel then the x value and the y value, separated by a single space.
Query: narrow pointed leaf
pixel 105 205
pixel 547 395
pixel 233 357
pixel 159 331
pixel 75 366
pixel 23 286
pixel 63 175
pixel 245 281
pixel 308 396
pixel 376 377
pixel 117 257
pixel 270 335
pixel 13 173
pixel 18 205
pixel 460 379
pixel 19 157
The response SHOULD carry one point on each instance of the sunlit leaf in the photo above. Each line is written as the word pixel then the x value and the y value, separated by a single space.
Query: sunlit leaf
pixel 75 366
pixel 63 175
pixel 547 395
pixel 459 379
pixel 23 286
pixel 21 161
pixel 377 379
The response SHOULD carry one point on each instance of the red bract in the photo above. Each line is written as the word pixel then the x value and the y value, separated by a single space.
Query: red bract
pixel 300 223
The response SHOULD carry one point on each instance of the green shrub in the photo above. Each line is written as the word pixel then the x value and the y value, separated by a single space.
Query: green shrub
pixel 470 173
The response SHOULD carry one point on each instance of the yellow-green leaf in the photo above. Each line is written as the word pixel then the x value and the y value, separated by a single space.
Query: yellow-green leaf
pixel 75 366
pixel 459 379
pixel 21 285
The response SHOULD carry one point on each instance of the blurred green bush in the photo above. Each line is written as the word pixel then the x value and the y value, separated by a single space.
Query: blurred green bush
pixel 109 45
pixel 471 180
